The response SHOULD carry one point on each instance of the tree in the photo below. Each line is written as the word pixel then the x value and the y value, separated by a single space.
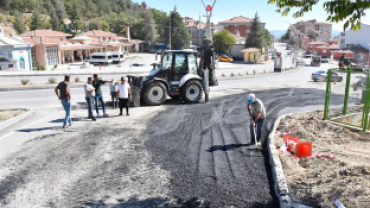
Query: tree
pixel 180 37
pixel 18 24
pixel 105 26
pixel 147 29
pixel 266 37
pixel 143 4
pixel 59 8
pixel 96 24
pixel 223 40
pixel 254 38
pixel 54 20
pixel 36 19
pixel 338 10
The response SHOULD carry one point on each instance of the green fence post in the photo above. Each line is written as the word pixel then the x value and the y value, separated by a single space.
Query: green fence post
pixel 348 85
pixel 365 115
pixel 327 95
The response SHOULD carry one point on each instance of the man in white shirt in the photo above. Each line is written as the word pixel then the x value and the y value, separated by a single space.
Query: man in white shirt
pixel 257 113
pixel 123 95
pixel 90 96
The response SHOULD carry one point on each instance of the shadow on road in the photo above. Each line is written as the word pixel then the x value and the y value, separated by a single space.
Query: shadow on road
pixel 227 147
pixel 39 129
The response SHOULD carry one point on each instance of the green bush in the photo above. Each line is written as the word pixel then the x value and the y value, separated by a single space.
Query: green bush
pixel 77 79
pixel 254 72
pixel 247 73
pixel 55 66
pixel 52 80
pixel 10 19
pixel 42 68
pixel 25 81
pixel 232 74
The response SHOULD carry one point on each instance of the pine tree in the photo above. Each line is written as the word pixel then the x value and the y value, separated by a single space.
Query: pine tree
pixel 59 7
pixel 180 37
pixel 148 29
pixel 54 20
pixel 18 24
pixel 254 39
pixel 143 4
pixel 36 19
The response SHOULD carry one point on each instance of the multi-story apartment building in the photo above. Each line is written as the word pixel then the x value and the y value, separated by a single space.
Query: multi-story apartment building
pixel 238 26
pixel 197 30
pixel 321 31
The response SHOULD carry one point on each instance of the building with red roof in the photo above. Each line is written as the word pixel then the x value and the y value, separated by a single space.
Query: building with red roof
pixel 237 25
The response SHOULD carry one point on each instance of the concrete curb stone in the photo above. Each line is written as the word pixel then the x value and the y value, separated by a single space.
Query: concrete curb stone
pixel 76 73
pixel 35 88
pixel 280 184
pixel 14 120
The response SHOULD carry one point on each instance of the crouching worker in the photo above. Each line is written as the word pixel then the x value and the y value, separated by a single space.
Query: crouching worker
pixel 257 113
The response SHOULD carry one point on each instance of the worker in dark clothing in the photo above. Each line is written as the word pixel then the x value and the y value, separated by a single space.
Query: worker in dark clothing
pixel 341 61
pixel 207 57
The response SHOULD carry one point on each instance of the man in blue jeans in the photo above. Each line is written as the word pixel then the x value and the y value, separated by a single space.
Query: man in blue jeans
pixel 90 96
pixel 64 94
pixel 99 94
pixel 257 113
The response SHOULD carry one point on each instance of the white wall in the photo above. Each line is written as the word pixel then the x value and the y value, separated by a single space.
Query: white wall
pixel 361 37
pixel 24 53
pixel 235 50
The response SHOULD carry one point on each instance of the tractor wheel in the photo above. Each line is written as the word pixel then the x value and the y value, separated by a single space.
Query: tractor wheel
pixel 154 93
pixel 192 91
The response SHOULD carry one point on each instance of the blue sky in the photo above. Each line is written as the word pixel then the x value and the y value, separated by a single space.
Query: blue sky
pixel 226 9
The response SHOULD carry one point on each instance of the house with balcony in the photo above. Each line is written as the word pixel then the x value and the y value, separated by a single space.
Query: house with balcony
pixel 320 31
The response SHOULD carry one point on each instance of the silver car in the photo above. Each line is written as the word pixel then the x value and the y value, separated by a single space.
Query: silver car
pixel 321 76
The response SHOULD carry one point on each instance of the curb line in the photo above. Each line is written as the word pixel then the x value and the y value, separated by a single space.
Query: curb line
pixel 280 184
pixel 8 89
pixel 14 120
pixel 74 74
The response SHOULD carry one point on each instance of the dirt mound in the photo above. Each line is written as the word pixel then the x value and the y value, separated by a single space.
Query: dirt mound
pixel 318 181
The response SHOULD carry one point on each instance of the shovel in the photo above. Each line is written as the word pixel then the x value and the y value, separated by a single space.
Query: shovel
pixel 255 136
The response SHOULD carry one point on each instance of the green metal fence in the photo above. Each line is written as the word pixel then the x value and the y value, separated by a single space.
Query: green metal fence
pixel 352 81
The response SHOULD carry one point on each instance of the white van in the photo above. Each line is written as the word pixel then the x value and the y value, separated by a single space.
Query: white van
pixel 104 58
pixel 117 57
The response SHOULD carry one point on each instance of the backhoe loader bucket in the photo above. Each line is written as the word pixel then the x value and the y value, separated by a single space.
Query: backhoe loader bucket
pixel 135 89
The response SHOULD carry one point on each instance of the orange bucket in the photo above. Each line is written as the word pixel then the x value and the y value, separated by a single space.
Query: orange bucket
pixel 294 145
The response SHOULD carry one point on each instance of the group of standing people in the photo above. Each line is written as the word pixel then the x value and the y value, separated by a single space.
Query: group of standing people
pixel 93 93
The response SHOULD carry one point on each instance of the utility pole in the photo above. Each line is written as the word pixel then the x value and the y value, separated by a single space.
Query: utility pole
pixel 170 28
pixel 199 32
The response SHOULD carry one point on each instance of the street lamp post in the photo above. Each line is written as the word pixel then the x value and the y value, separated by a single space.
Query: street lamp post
pixel 170 28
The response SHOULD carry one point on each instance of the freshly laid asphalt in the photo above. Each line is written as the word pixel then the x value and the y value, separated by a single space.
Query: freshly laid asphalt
pixel 176 155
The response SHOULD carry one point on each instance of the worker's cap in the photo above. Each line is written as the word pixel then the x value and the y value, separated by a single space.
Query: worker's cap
pixel 251 98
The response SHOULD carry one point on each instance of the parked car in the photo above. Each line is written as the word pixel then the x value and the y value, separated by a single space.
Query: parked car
pixel 289 47
pixel 152 50
pixel 321 76
pixel 316 61
pixel 325 59
pixel 307 55
pixel 225 58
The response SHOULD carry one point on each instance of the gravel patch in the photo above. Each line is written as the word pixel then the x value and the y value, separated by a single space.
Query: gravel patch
pixel 317 182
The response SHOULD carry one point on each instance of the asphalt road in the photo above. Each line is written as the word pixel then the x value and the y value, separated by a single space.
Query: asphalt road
pixel 43 98
pixel 224 68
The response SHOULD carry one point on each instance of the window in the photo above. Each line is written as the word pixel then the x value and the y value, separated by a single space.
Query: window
pixel 52 55
pixel 61 39
pixel 103 39
pixel 236 31
pixel 324 51
pixel 33 54
pixel 109 57
pixel 115 56
pixel 179 68
pixel 192 63
pixel 121 56
pixel 247 31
